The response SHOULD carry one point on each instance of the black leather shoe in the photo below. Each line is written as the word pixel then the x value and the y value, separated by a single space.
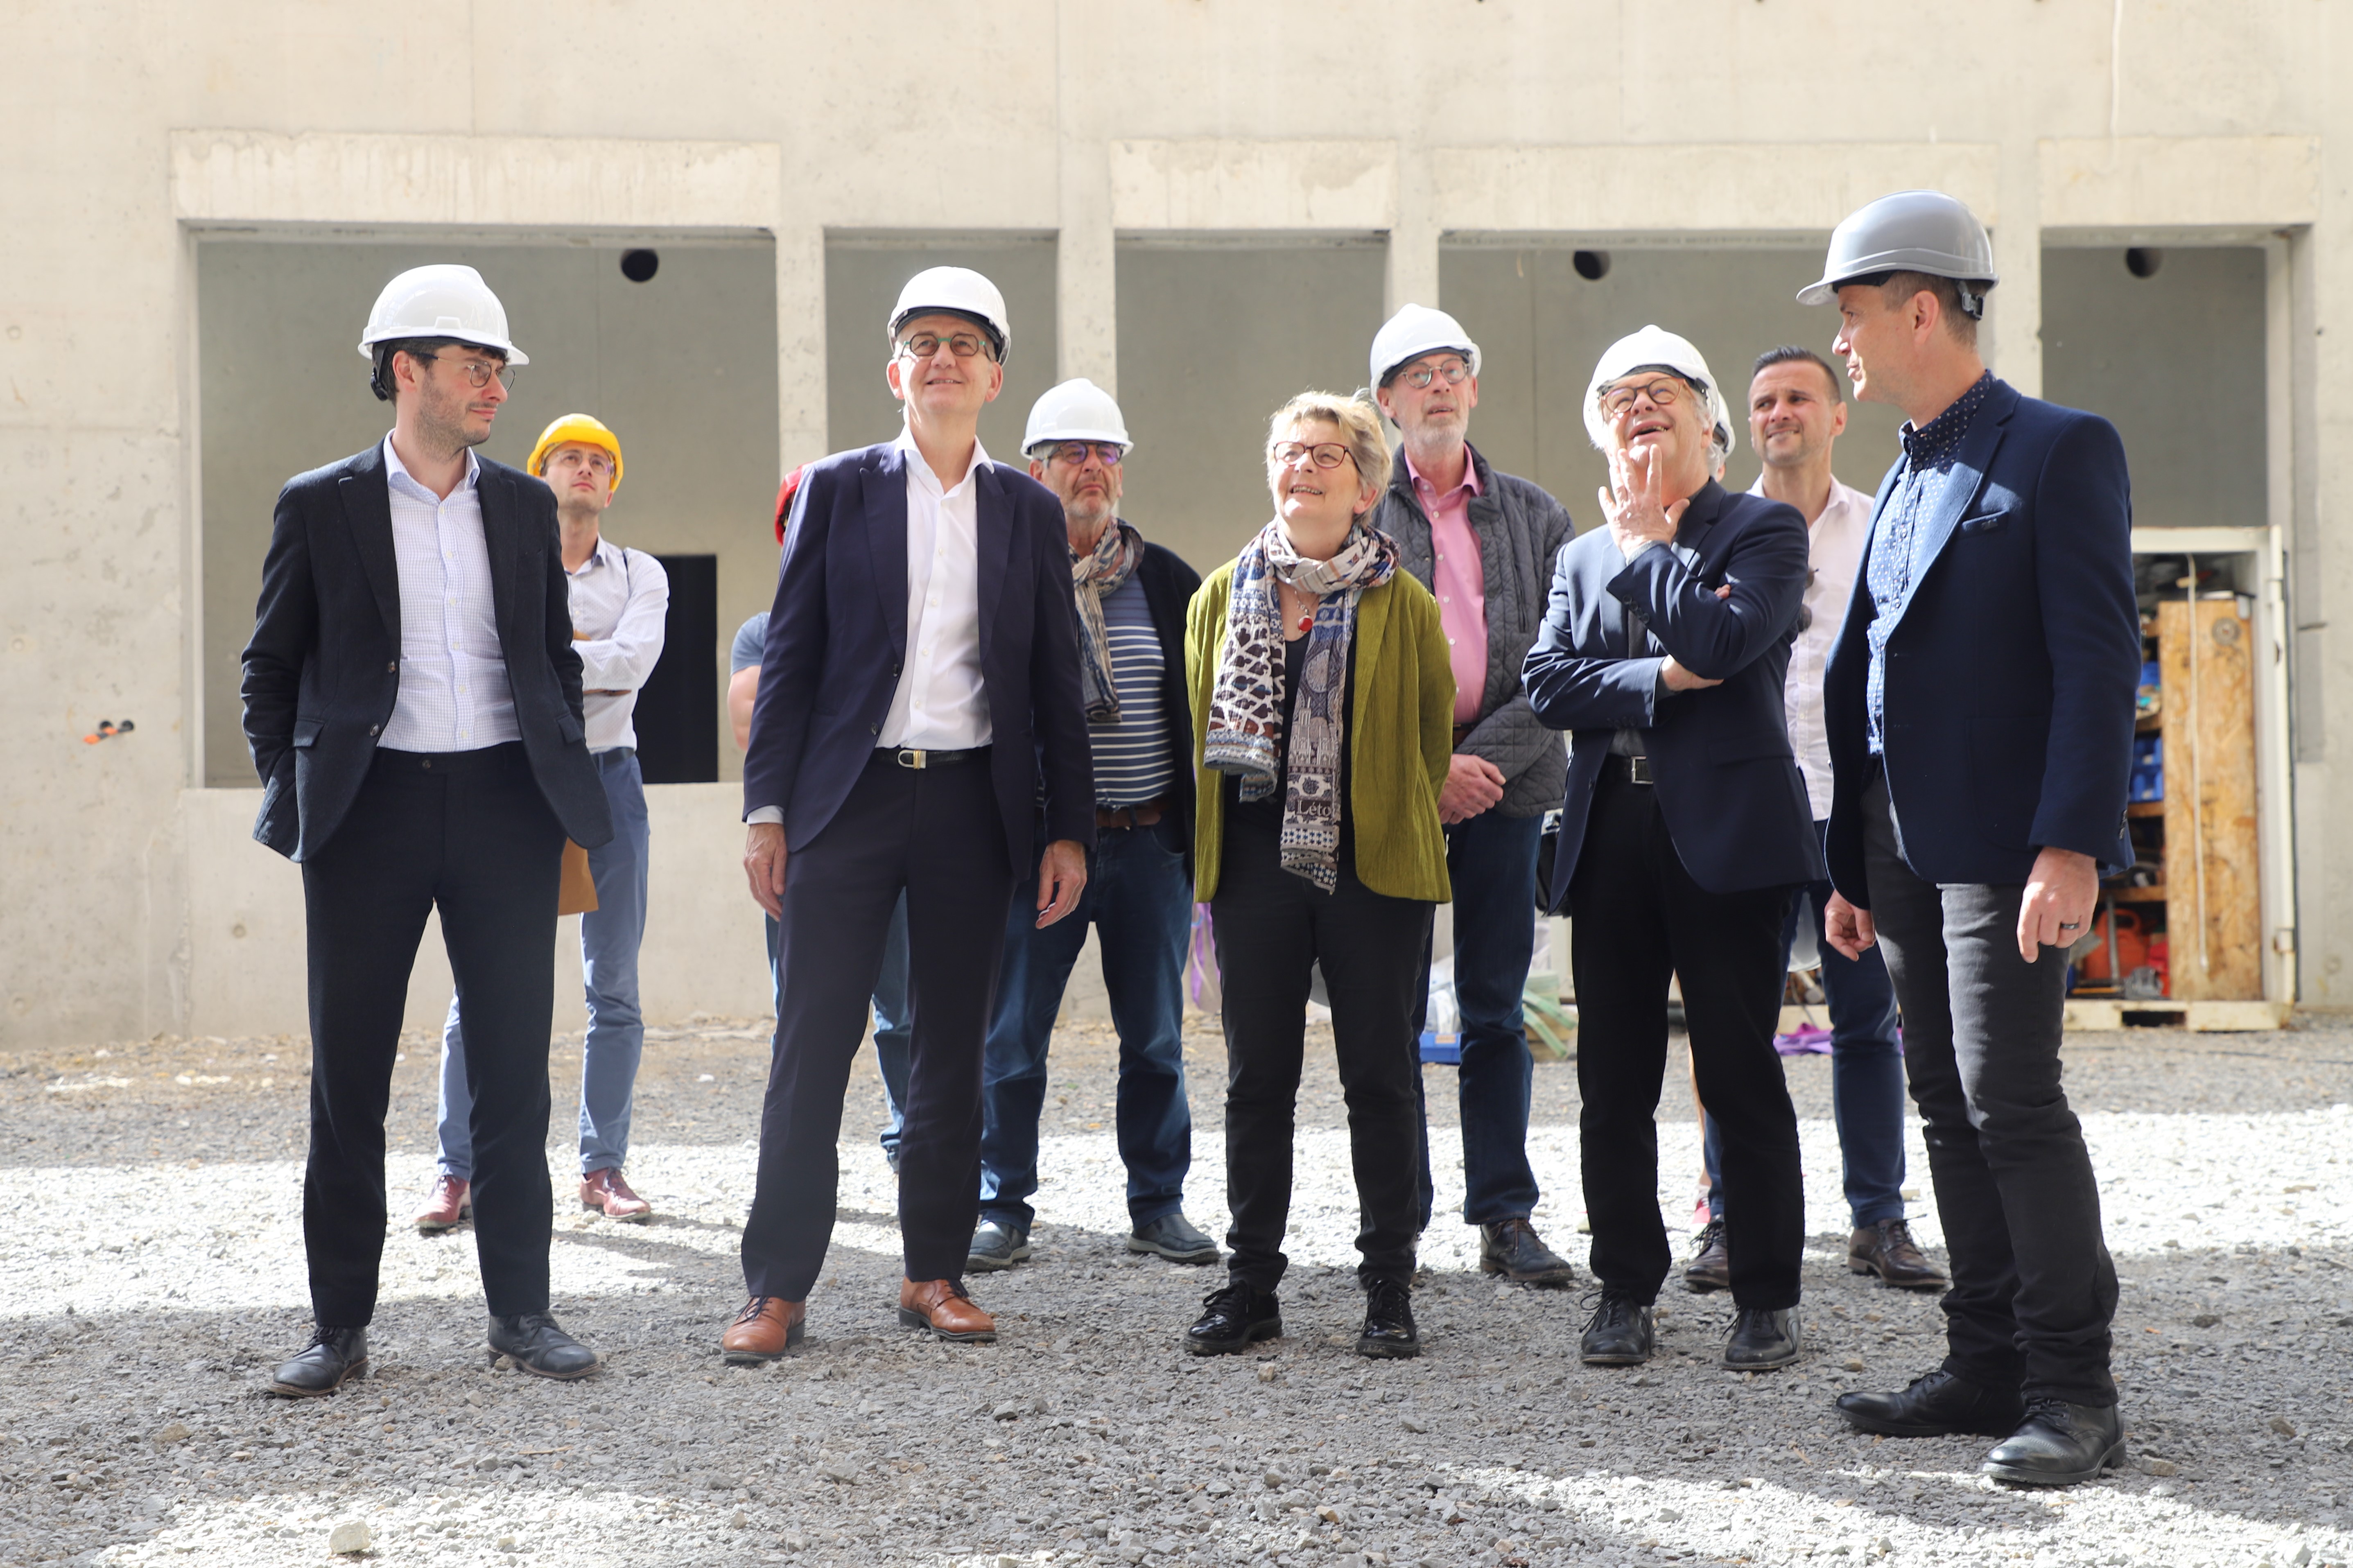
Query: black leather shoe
pixel 333 1358
pixel 1234 1318
pixel 995 1244
pixel 1935 1404
pixel 1173 1237
pixel 1388 1331
pixel 1512 1248
pixel 1711 1267
pixel 1618 1333
pixel 1763 1338
pixel 541 1348
pixel 2059 1444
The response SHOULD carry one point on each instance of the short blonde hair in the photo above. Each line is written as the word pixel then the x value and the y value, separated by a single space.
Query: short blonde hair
pixel 1360 426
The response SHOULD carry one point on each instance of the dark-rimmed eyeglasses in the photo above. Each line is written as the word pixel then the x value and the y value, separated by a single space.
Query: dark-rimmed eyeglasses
pixel 1074 453
pixel 1326 453
pixel 1662 393
pixel 1453 371
pixel 924 345
pixel 477 371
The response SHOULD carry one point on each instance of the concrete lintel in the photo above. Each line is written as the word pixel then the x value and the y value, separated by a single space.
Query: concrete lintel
pixel 245 177
pixel 1230 186
pixel 1795 188
pixel 2179 182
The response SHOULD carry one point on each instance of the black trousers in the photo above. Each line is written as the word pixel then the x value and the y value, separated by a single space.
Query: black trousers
pixel 2034 1291
pixel 935 832
pixel 1637 918
pixel 469 833
pixel 1273 927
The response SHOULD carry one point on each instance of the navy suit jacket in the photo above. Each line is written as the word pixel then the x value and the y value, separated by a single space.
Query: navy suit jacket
pixel 323 669
pixel 838 638
pixel 2011 667
pixel 1728 781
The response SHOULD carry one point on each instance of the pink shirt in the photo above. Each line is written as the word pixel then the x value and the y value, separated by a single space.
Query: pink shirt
pixel 1458 578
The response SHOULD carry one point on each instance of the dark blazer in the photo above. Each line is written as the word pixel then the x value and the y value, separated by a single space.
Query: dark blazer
pixel 2011 670
pixel 323 669
pixel 838 638
pixel 1169 588
pixel 1728 781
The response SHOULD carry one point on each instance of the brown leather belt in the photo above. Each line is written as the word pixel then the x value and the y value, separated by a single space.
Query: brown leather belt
pixel 1142 813
pixel 1462 734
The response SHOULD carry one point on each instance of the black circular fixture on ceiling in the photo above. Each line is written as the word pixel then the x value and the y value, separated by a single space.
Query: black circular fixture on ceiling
pixel 639 266
pixel 2143 261
pixel 1592 266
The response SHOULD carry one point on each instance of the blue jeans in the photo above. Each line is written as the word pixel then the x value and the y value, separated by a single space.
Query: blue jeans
pixel 609 937
pixel 1491 860
pixel 1866 1073
pixel 1139 900
pixel 894 1019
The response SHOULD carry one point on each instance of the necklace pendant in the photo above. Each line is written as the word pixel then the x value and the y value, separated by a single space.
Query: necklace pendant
pixel 1307 621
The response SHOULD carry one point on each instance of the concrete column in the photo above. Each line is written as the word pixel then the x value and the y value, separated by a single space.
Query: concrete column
pixel 1413 233
pixel 800 344
pixel 2012 339
pixel 1086 266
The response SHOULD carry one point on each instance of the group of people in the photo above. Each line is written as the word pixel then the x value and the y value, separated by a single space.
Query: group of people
pixel 985 713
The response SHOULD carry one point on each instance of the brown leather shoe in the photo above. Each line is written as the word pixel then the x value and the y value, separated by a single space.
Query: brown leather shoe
pixel 1887 1250
pixel 940 1306
pixel 445 1205
pixel 765 1330
pixel 607 1193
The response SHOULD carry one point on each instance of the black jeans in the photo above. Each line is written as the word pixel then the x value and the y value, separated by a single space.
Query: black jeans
pixel 935 833
pixel 471 833
pixel 2033 1288
pixel 1273 927
pixel 1636 919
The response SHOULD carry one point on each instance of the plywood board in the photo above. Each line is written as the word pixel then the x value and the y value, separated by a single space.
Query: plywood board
pixel 2213 913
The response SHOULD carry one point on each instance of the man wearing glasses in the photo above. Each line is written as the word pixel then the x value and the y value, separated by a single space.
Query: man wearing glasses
pixel 413 701
pixel 918 708
pixel 1484 543
pixel 1683 830
pixel 1129 599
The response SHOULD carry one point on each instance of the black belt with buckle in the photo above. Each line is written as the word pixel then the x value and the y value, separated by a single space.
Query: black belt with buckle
pixel 907 757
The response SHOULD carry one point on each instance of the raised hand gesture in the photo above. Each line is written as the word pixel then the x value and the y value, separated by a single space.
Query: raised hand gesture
pixel 1637 519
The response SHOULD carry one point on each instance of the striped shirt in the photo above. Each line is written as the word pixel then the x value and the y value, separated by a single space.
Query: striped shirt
pixel 453 694
pixel 1134 760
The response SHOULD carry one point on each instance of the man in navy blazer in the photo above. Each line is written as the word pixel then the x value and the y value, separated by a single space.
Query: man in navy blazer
pixel 1980 711
pixel 412 700
pixel 918 699
pixel 1684 828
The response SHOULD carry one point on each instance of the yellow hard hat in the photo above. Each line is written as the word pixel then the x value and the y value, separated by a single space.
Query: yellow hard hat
pixel 584 428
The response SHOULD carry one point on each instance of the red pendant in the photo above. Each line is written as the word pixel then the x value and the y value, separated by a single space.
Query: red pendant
pixel 1307 621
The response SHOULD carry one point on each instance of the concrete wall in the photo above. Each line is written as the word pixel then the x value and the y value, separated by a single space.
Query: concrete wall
pixel 682 367
pixel 132 131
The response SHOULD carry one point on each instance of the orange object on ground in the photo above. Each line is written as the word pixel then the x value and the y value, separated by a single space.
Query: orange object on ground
pixel 2132 949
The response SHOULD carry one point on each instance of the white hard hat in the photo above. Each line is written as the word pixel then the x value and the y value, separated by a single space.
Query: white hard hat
pixel 1911 231
pixel 1076 410
pixel 1652 345
pixel 444 301
pixel 959 292
pixel 1416 331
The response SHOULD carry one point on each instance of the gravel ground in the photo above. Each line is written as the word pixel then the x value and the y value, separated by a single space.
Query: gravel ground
pixel 154 1275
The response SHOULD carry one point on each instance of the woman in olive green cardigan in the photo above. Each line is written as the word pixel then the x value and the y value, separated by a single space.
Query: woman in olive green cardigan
pixel 1323 707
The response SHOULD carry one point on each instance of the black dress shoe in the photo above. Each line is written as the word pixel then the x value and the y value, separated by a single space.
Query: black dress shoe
pixel 541 1348
pixel 1618 1333
pixel 1512 1248
pixel 2059 1444
pixel 333 1358
pixel 1234 1318
pixel 1388 1331
pixel 1711 1267
pixel 1762 1338
pixel 1936 1404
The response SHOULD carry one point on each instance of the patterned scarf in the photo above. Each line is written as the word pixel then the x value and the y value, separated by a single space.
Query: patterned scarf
pixel 1246 705
pixel 1105 569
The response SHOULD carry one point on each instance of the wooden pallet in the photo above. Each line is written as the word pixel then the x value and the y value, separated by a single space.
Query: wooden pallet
pixel 2202 1016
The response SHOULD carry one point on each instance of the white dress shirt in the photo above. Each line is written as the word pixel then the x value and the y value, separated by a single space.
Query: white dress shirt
pixel 941 704
pixel 620 606
pixel 453 694
pixel 1835 552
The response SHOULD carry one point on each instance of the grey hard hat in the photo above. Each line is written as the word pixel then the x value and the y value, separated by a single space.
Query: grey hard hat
pixel 1911 231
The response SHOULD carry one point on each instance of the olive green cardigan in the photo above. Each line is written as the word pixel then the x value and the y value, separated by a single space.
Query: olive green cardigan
pixel 1401 737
